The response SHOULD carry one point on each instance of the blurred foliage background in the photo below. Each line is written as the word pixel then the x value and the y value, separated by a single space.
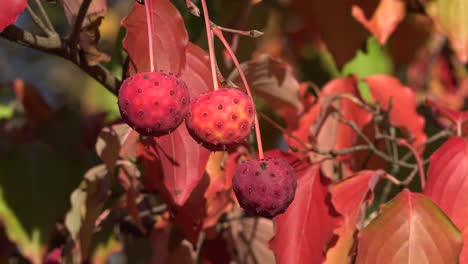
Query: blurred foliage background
pixel 47 144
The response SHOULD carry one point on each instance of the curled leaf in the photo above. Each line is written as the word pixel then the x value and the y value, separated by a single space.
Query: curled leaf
pixel 385 19
pixel 271 79
pixel 350 198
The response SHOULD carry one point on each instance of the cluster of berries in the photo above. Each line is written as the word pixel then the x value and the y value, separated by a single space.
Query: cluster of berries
pixel 156 103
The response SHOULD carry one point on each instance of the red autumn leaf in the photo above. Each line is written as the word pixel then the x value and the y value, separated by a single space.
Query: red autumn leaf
pixel 183 160
pixel 403 113
pixel 170 37
pixel 208 201
pixel 189 217
pixel 305 229
pixel 447 185
pixel 218 193
pixel 410 229
pixel 10 11
pixel 345 136
pixel 350 197
pixel 152 168
pixel 96 9
pixel 196 72
pixel 332 135
pixel 183 163
pixel 33 102
pixel 385 19
pixel 458 118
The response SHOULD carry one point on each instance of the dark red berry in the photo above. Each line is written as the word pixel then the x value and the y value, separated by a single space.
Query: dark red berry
pixel 220 119
pixel 264 187
pixel 153 103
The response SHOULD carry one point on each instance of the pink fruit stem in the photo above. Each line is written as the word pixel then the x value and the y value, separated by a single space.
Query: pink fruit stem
pixel 149 23
pixel 209 35
pixel 220 35
pixel 418 161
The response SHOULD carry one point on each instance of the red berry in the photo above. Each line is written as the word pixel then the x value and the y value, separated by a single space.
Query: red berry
pixel 153 103
pixel 221 118
pixel 264 187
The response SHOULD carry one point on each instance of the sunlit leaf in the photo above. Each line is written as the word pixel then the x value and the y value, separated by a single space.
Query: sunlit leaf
pixel 451 19
pixel 350 198
pixel 410 229
pixel 385 19
pixel 447 185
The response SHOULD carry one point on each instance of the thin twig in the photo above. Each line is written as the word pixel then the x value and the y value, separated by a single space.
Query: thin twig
pixel 55 45
pixel 433 138
pixel 220 35
pixel 37 20
pixel 284 131
pixel 418 161
pixel 209 35
pixel 372 147
pixel 308 147
pixel 46 17
pixel 410 178
pixel 250 33
pixel 79 23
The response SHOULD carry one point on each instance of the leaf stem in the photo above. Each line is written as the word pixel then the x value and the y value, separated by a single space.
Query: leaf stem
pixel 149 23
pixel 79 23
pixel 219 34
pixel 209 35
pixel 418 161
pixel 250 33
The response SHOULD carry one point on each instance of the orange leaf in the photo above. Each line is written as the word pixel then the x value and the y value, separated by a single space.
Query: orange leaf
pixel 386 18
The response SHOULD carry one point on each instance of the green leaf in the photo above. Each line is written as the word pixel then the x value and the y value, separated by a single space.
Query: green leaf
pixel 28 244
pixel 87 202
pixel 35 182
pixel 374 61
pixel 6 111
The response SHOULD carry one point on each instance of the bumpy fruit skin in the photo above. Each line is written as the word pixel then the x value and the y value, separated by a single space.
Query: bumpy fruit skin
pixel 220 119
pixel 153 103
pixel 264 187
